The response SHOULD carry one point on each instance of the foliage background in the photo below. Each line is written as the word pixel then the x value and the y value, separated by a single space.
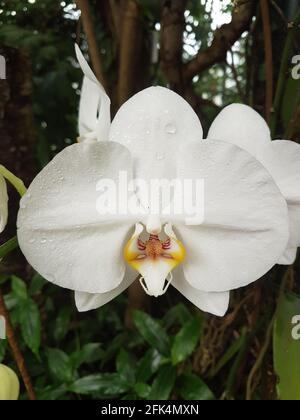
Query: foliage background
pixel 134 348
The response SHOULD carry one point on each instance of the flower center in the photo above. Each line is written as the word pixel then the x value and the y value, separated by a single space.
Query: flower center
pixel 154 258
pixel 153 247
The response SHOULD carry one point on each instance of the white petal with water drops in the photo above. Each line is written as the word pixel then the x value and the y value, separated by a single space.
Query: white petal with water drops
pixel 213 303
pixel 241 125
pixel 87 302
pixel 246 225
pixel 153 125
pixel 282 160
pixel 74 246
pixel 94 108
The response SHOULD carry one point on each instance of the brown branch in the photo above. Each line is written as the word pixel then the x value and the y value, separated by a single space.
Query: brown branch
pixel 116 8
pixel 293 125
pixel 172 28
pixel 131 43
pixel 225 37
pixel 137 300
pixel 88 28
pixel 17 355
pixel 265 14
pixel 236 78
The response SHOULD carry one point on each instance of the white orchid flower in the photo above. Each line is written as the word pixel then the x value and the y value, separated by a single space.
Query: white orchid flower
pixel 244 127
pixel 3 204
pixel 155 135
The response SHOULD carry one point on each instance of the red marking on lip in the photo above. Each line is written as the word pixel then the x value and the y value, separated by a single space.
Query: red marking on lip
pixel 167 244
pixel 141 245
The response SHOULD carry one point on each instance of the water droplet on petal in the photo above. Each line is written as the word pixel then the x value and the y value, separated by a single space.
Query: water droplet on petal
pixel 160 156
pixel 43 241
pixel 171 129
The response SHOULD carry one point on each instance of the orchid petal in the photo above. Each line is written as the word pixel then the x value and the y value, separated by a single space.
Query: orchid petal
pixel 282 160
pixel 88 302
pixel 61 232
pixel 241 125
pixel 289 257
pixel 213 303
pixel 245 228
pixel 3 204
pixel 94 109
pixel 153 125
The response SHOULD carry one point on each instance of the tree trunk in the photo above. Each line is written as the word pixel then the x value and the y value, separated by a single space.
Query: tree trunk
pixel 16 136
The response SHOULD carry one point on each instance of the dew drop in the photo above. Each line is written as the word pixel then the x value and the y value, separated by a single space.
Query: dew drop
pixel 160 156
pixel 32 241
pixel 171 129
pixel 43 241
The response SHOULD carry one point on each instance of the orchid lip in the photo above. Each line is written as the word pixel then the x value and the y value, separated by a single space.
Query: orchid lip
pixel 154 258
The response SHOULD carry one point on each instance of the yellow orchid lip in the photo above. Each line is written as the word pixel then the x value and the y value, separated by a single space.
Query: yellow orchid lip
pixel 154 259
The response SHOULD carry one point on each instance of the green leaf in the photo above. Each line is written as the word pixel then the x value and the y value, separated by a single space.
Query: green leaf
pixel 291 102
pixel 191 387
pixel 148 365
pixel 62 322
pixel 8 247
pixel 126 366
pixel 89 353
pixel 163 384
pixel 59 365
pixel 52 393
pixel 3 344
pixel 30 323
pixel 19 288
pixel 229 354
pixel 178 313
pixel 142 390
pixel 185 341
pixel 106 384
pixel 287 348
pixel 37 283
pixel 152 332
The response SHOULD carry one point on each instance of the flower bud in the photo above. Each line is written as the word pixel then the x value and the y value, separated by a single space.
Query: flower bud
pixel 3 204
pixel 9 384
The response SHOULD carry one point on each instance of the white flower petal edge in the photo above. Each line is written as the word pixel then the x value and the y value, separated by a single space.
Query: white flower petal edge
pixel 153 125
pixel 282 159
pixel 241 125
pixel 94 108
pixel 246 226
pixel 214 303
pixel 60 231
pixel 88 302
pixel 3 204
pixel 289 256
